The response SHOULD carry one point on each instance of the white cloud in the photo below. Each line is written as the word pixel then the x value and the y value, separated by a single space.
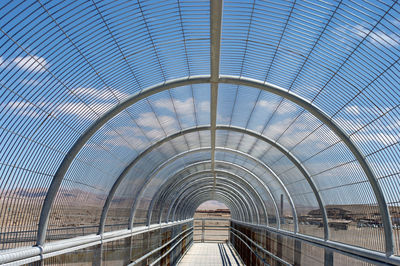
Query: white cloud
pixel 78 109
pixel 103 94
pixel 150 120
pixel 353 110
pixel 30 82
pixel 32 63
pixel 83 110
pixel 183 107
pixel 385 139
pixel 283 109
pixel 24 108
pixel 377 36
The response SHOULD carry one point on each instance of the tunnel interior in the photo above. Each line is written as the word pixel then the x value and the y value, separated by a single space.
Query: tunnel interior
pixel 119 118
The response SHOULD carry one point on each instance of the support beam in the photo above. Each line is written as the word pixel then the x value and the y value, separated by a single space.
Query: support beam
pixel 189 182
pixel 198 199
pixel 84 138
pixel 233 175
pixel 238 192
pixel 227 194
pixel 176 201
pixel 158 196
pixel 150 209
pixel 318 113
pixel 123 174
pixel 247 156
pixel 215 48
pixel 191 203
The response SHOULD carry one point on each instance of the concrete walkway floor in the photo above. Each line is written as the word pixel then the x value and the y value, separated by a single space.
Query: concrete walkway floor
pixel 210 254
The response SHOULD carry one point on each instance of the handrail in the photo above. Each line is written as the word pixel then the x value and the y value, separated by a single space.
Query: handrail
pixel 30 254
pixel 359 253
pixel 163 246
pixel 259 247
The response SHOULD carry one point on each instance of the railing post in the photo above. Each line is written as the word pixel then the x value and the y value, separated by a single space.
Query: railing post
pixel 97 255
pixel 328 257
pixel 297 253
pixel 202 230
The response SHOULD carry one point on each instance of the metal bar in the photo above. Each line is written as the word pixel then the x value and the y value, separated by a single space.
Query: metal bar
pixel 241 196
pixel 205 195
pixel 215 48
pixel 184 188
pixel 70 156
pixel 163 246
pixel 258 246
pixel 174 200
pixel 324 118
pixel 123 174
pixel 221 172
pixel 234 152
pixel 155 197
pixel 227 180
pixel 226 189
pixel 196 200
pixel 172 248
pixel 359 253
pixel 57 179
pixel 56 248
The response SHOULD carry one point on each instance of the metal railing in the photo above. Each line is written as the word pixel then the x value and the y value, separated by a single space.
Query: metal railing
pixel 211 229
pixel 267 244
pixel 31 254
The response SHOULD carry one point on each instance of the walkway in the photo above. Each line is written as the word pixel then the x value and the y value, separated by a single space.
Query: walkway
pixel 210 254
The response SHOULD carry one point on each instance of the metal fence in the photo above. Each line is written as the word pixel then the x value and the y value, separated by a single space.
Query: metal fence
pixel 210 230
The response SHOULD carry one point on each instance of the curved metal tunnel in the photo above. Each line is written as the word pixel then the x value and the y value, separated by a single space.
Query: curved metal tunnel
pixel 118 117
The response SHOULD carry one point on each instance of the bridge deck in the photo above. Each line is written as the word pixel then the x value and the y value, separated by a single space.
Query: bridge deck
pixel 211 254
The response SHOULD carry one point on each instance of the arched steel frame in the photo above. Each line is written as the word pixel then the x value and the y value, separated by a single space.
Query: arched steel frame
pixel 215 79
pixel 251 205
pixel 206 195
pixel 158 144
pixel 247 156
pixel 194 201
pixel 171 181
pixel 159 168
pixel 291 157
pixel 222 179
pixel 233 197
pixel 176 201
pixel 166 189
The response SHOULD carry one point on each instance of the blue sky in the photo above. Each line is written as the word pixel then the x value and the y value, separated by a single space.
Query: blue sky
pixel 64 64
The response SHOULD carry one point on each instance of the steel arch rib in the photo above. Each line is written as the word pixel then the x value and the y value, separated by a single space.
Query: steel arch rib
pixel 244 212
pixel 173 217
pixel 176 201
pixel 246 197
pixel 248 185
pixel 201 197
pixel 230 174
pixel 211 187
pixel 204 198
pixel 203 128
pixel 173 176
pixel 69 157
pixel 281 184
pixel 210 192
pixel 187 177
